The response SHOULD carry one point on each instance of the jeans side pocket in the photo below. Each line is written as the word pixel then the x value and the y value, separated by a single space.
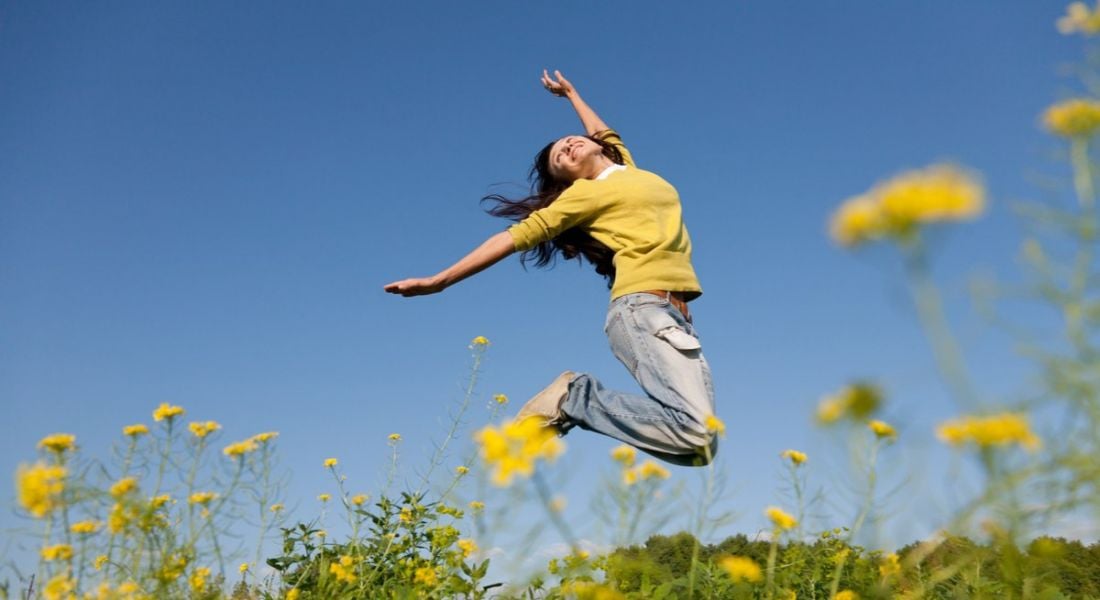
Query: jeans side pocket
pixel 621 344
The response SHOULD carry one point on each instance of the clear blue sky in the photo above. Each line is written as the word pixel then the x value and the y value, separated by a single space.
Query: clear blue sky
pixel 200 203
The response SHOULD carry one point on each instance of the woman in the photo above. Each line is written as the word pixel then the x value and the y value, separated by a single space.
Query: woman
pixel 588 199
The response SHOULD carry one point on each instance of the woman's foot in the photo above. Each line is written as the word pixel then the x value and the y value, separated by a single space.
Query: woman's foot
pixel 546 404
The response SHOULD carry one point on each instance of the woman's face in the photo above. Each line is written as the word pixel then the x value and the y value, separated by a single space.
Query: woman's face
pixel 573 157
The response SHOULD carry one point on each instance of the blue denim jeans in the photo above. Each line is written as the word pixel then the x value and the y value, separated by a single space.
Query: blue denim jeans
pixel 661 350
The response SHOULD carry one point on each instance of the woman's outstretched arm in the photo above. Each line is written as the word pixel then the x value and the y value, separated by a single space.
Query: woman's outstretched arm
pixel 484 256
pixel 562 87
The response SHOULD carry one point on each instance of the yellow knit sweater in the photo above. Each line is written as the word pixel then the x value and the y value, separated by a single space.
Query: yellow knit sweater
pixel 633 212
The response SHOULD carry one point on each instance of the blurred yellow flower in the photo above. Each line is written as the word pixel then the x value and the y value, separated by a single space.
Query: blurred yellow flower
pixel 651 470
pixel 558 504
pixel 265 436
pixel 501 399
pixel 239 449
pixel 715 425
pixel 480 341
pixel 135 430
pixel 343 570
pixel 57 552
pixel 395 437
pixel 293 594
pixel 100 561
pixel 894 208
pixel 740 568
pixel 201 429
pixel 477 506
pixel 794 456
pixel 128 587
pixel 515 447
pixel 846 595
pixel 322 534
pixel 426 576
pixel 119 518
pixel 60 587
pixel 624 454
pixel 243 568
pixel 277 507
pixel 855 401
pixel 1079 18
pixel 882 429
pixel 159 501
pixel 1076 118
pixel 167 411
pixel 467 546
pixel 85 527
pixel 324 497
pixel 331 462
pixel 991 430
pixel 359 499
pixel 123 486
pixel 198 579
pixel 462 470
pixel 590 590
pixel 890 565
pixel 58 442
pixel 202 498
pixel 780 519
pixel 40 487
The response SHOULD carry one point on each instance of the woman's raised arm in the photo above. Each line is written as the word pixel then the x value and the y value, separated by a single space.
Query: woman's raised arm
pixel 562 87
pixel 484 256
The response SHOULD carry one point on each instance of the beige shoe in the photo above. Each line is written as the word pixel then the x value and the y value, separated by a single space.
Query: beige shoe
pixel 547 403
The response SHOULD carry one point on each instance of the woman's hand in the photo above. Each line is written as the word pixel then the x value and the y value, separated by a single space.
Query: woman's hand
pixel 419 286
pixel 561 87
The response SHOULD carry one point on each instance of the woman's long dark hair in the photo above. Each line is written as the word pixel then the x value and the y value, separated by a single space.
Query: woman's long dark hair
pixel 545 188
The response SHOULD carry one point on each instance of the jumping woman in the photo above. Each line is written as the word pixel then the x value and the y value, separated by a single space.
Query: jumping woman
pixel 589 199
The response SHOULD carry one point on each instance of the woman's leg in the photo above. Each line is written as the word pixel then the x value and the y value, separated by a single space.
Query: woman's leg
pixel 652 339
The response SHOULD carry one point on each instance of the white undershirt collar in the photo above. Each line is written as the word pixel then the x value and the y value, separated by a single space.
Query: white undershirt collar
pixel 609 170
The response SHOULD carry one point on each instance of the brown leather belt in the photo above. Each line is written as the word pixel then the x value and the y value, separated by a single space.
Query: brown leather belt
pixel 674 298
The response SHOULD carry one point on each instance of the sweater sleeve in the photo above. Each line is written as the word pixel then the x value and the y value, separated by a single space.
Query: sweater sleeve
pixel 612 137
pixel 577 205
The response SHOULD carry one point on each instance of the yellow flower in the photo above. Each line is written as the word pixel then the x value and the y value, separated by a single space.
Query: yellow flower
pixel 882 429
pixel 500 399
pixel 322 534
pixel 589 590
pixel 795 456
pixel 624 454
pixel 855 401
pixel 1077 118
pixel 477 506
pixel 359 499
pixel 202 498
pixel 467 546
pixel 265 436
pixel 201 429
pixel 330 463
pixel 780 519
pixel 198 579
pixel 740 568
pixel 324 497
pixel 40 487
pixel 426 576
pixel 58 442
pixel 277 507
pixel 558 504
pixel 651 470
pixel 128 587
pixel 896 207
pixel 57 552
pixel 992 430
pixel 515 447
pixel 715 425
pixel 159 501
pixel 239 449
pixel 100 561
pixel 123 486
pixel 630 476
pixel 60 587
pixel 341 570
pixel 243 568
pixel 846 595
pixel 293 594
pixel 462 470
pixel 890 565
pixel 119 518
pixel 406 515
pixel 1079 18
pixel 395 437
pixel 84 527
pixel 480 341
pixel 135 430
pixel 167 411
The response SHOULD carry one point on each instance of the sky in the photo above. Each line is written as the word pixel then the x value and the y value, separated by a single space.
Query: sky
pixel 201 202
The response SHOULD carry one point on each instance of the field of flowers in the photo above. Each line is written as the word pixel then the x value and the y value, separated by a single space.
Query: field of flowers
pixel 163 517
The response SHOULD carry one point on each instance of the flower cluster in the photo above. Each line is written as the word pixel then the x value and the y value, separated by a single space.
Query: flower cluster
pixel 1077 118
pixel 1079 18
pixel 992 430
pixel 896 208
pixel 515 447
pixel 855 401
pixel 740 568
